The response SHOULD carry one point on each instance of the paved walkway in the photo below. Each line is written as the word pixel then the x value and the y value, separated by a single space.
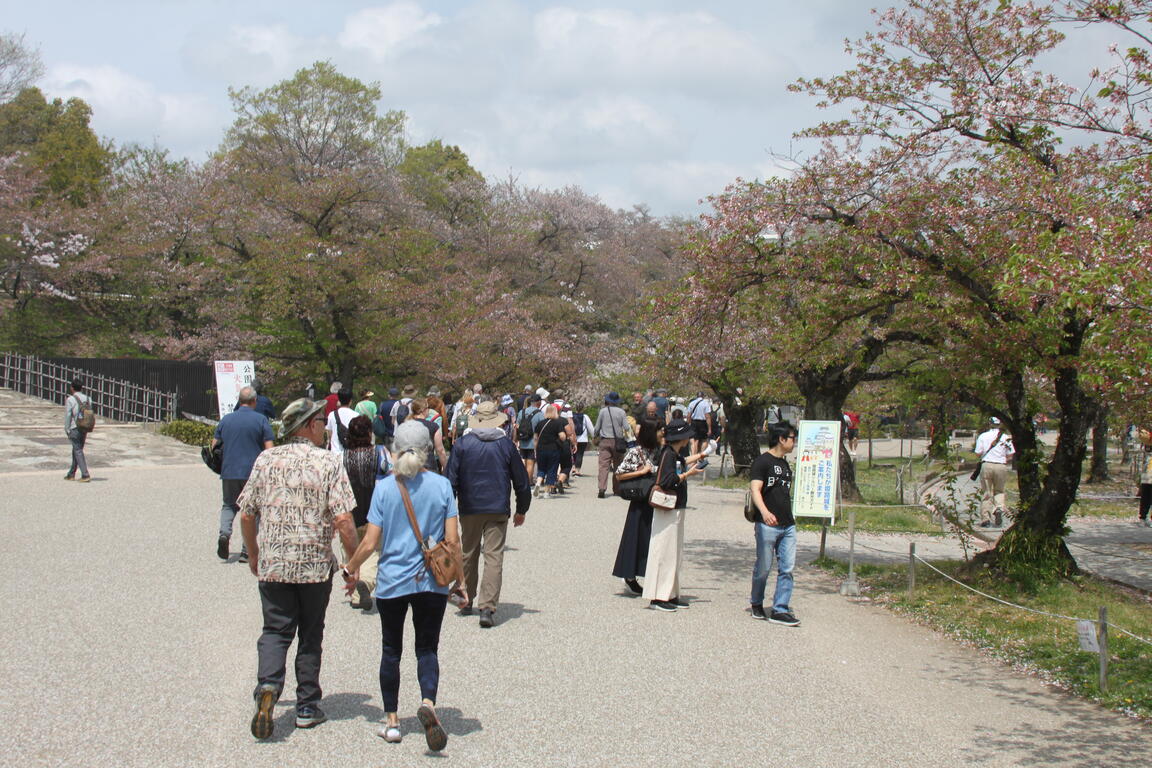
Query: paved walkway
pixel 128 643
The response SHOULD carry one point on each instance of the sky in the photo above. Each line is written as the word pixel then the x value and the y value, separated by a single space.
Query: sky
pixel 652 102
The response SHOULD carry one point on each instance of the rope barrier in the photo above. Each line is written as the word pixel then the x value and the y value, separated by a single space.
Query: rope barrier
pixel 1026 608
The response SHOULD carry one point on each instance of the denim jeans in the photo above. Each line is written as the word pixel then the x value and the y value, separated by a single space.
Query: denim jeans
pixel 231 490
pixel 77 438
pixel 780 541
pixel 427 616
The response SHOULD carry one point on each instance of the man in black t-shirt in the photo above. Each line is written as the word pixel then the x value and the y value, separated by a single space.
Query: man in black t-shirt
pixel 771 487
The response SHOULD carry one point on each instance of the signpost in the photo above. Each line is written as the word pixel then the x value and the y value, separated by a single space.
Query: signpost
pixel 816 485
pixel 231 375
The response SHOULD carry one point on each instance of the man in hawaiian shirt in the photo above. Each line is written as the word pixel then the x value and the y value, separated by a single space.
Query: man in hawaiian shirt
pixel 300 494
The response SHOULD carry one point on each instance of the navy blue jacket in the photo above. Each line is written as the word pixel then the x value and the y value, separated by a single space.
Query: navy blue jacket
pixel 484 468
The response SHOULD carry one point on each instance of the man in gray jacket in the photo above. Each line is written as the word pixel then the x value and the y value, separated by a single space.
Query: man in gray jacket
pixel 76 400
pixel 484 468
pixel 610 429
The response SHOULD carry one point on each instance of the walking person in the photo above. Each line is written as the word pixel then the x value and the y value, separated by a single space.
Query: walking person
pixel 76 426
pixel 771 486
pixel 526 420
pixel 1145 489
pixel 338 421
pixel 666 543
pixel 403 581
pixel 289 537
pixel 995 449
pixel 610 427
pixel 632 554
pixel 582 427
pixel 364 464
pixel 243 434
pixel 483 467
pixel 551 442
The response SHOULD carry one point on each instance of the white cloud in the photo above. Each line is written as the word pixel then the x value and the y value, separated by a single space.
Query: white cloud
pixel 384 31
pixel 131 109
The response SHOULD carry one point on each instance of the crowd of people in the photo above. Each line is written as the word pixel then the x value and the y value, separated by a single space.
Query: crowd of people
pixel 397 479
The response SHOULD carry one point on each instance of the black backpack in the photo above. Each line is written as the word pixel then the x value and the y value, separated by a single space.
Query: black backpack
pixel 578 423
pixel 524 431
pixel 341 430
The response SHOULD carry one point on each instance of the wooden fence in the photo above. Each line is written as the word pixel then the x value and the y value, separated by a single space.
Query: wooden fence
pixel 112 398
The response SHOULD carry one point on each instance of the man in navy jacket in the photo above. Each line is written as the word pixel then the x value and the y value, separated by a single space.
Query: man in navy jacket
pixel 484 468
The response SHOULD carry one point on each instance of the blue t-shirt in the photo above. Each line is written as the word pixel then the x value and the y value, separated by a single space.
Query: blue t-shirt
pixel 243 432
pixel 401 571
pixel 537 416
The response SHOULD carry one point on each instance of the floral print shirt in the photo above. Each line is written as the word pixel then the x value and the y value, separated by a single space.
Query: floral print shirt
pixel 296 490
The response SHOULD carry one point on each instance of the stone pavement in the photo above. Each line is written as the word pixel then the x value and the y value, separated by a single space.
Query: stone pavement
pixel 128 643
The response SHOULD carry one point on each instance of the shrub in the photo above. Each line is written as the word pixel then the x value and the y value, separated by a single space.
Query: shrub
pixel 189 432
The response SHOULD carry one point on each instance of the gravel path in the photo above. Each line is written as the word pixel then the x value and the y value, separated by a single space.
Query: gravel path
pixel 128 643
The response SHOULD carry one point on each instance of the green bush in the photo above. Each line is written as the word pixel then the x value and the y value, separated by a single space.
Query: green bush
pixel 190 432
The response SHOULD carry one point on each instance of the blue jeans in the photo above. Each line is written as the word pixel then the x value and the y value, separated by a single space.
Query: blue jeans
pixel 77 438
pixel 780 541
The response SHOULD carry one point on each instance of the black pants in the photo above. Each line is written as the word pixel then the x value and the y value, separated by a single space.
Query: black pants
pixel 292 610
pixel 1145 500
pixel 427 616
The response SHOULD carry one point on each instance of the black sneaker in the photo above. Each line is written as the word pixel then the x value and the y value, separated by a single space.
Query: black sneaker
pixel 243 557
pixel 678 602
pixel 985 523
pixel 486 618
pixel 634 586
pixel 222 547
pixel 662 605
pixel 265 702
pixel 784 618
pixel 600 494
pixel 310 716
pixel 758 612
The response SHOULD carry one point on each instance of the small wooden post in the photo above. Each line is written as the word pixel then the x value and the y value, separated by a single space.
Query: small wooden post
pixel 823 537
pixel 911 568
pixel 1102 639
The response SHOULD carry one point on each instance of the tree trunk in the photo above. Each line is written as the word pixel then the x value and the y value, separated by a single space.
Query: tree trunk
pixel 1099 471
pixel 938 448
pixel 1033 548
pixel 824 398
pixel 741 430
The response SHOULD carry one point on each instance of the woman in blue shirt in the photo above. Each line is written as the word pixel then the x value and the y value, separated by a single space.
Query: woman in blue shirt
pixel 402 580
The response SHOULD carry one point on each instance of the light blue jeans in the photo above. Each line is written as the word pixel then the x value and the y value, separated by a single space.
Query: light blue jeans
pixel 780 541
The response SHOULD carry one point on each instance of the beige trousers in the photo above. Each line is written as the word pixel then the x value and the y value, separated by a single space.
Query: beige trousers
pixel 484 534
pixel 665 551
pixel 993 481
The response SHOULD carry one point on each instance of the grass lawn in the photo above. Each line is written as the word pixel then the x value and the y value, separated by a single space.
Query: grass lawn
pixel 1042 645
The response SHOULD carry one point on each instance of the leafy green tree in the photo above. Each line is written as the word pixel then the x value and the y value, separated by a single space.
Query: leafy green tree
pixel 55 137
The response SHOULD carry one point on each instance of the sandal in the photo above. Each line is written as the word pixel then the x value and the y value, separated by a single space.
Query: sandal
pixel 391 734
pixel 434 733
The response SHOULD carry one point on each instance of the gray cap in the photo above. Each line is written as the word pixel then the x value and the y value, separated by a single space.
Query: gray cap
pixel 297 414
pixel 411 436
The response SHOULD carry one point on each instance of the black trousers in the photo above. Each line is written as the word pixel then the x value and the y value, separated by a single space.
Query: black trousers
pixel 293 610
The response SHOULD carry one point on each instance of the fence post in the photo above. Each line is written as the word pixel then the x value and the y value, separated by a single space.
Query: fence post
pixel 1102 639
pixel 911 568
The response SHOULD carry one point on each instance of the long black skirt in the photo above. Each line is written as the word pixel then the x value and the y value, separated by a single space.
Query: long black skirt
pixel 632 555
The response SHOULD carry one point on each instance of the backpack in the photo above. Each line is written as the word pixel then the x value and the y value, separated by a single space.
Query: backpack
pixel 578 424
pixel 399 413
pixel 460 422
pixel 85 416
pixel 524 431
pixel 341 429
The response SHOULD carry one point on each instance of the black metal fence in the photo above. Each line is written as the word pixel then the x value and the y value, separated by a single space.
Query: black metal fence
pixel 193 383
pixel 112 398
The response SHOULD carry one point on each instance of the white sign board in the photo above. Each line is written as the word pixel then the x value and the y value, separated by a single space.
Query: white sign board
pixel 231 375
pixel 1086 631
pixel 816 470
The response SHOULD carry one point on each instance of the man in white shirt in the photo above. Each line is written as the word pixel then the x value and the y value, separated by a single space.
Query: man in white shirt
pixel 345 415
pixel 700 414
pixel 995 449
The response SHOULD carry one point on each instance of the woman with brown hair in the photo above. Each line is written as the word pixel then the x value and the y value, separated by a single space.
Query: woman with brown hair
pixel 364 464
